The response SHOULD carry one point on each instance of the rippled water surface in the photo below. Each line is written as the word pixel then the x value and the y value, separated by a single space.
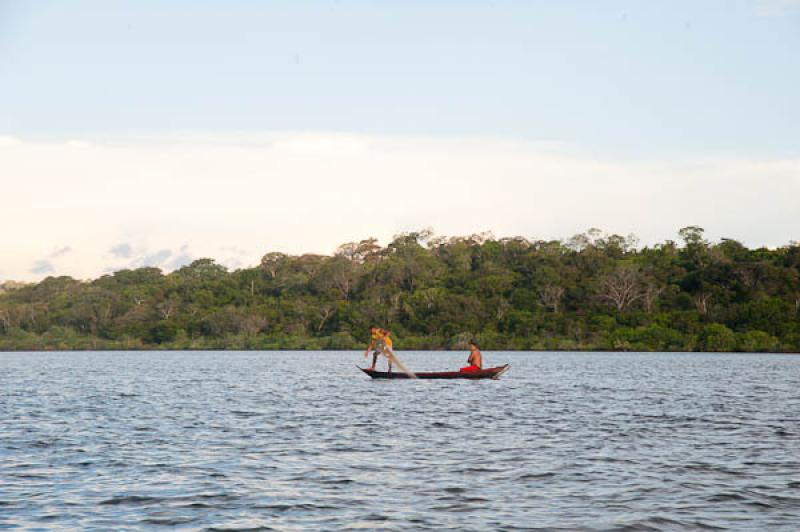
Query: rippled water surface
pixel 304 441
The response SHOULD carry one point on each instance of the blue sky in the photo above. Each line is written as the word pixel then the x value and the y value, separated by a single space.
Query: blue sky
pixel 626 77
pixel 612 85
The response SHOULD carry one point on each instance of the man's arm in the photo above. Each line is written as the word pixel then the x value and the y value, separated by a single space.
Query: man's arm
pixel 369 348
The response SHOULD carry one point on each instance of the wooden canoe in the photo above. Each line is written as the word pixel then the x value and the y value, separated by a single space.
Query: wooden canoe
pixel 488 373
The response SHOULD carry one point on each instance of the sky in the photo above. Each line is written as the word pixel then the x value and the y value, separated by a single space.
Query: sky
pixel 151 134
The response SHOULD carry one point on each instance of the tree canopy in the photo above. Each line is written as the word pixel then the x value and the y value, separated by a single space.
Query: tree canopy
pixel 590 292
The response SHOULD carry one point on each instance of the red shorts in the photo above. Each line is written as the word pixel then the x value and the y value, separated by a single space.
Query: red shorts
pixel 469 369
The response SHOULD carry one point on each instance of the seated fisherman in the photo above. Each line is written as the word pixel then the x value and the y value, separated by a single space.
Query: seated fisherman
pixel 475 359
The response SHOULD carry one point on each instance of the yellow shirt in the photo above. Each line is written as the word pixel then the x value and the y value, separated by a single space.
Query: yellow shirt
pixel 377 341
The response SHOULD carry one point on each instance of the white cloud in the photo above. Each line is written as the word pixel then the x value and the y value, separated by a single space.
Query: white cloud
pixel 7 142
pixel 49 264
pixel 126 256
pixel 171 199
pixel 154 260
pixel 60 252
pixel 43 267
pixel 78 144
pixel 122 250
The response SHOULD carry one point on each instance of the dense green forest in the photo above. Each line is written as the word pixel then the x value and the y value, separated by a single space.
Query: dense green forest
pixel 590 292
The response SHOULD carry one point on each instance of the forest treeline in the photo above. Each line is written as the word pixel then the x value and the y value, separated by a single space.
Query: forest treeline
pixel 590 292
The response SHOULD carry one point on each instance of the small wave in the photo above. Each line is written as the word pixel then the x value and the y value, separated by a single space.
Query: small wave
pixel 759 504
pixel 377 517
pixel 535 476
pixel 725 497
pixel 653 524
pixel 300 507
pixel 611 460
pixel 216 496
pixel 705 526
pixel 245 413
pixel 130 499
pixel 335 481
pixel 169 521
pixel 239 529
pixel 458 507
pixel 198 505
pixel 473 500
pixel 343 449
pixel 30 476
pixel 480 470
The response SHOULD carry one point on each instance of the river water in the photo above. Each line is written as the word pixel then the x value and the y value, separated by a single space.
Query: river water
pixel 305 441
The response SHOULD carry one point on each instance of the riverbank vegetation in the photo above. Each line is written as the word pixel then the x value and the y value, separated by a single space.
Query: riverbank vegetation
pixel 590 292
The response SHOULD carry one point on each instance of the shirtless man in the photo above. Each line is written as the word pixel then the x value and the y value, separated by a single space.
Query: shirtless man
pixel 475 359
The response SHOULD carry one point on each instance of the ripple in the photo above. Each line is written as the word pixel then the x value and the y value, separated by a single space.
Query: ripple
pixel 263 441
pixel 131 499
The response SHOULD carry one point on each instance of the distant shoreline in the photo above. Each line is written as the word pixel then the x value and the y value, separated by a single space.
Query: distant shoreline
pixel 592 292
pixel 399 351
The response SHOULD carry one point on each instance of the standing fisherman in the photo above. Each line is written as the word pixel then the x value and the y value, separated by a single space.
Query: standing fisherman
pixel 379 340
pixel 387 346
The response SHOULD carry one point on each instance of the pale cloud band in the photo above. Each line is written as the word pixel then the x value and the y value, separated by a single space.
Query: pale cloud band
pixel 161 201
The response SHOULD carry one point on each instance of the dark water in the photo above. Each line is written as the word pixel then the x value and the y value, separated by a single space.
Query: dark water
pixel 303 441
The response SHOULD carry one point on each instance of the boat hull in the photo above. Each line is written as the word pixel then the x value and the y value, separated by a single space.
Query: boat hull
pixel 488 373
